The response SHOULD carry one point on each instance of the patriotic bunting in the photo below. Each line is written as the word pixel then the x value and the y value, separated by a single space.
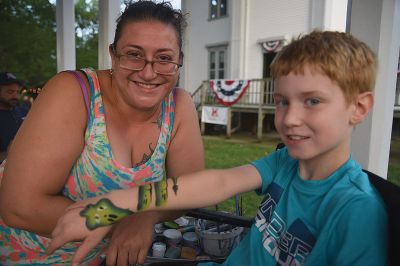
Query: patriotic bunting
pixel 228 92
pixel 272 46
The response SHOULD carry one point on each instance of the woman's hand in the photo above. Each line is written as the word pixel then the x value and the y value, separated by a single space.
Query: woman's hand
pixel 131 239
pixel 72 227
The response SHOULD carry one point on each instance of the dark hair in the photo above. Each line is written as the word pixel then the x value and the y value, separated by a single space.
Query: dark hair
pixel 143 10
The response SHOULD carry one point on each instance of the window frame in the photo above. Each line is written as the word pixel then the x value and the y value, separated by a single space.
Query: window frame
pixel 218 13
pixel 217 53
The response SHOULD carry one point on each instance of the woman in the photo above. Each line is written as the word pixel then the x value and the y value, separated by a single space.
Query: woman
pixel 132 130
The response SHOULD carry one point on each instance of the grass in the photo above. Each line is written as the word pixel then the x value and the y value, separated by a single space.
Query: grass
pixel 223 153
pixel 394 161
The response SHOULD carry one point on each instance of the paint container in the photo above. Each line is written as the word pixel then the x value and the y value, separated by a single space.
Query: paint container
pixel 188 253
pixel 159 249
pixel 159 228
pixel 190 239
pixel 218 240
pixel 173 252
pixel 173 236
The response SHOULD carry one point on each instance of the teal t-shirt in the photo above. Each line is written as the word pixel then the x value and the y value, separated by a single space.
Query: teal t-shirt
pixel 340 220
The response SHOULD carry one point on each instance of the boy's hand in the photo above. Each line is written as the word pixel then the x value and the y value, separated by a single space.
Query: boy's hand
pixel 72 227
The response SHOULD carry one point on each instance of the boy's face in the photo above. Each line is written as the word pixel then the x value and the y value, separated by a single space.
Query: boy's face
pixel 313 118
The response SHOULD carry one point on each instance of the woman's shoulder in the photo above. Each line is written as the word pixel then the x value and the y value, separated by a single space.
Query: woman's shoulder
pixel 62 84
pixel 185 111
pixel 61 95
pixel 183 99
pixel 182 93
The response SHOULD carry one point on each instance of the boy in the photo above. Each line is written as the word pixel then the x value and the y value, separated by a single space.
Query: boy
pixel 319 207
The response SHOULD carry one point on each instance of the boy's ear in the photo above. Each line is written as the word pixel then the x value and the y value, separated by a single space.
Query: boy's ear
pixel 362 106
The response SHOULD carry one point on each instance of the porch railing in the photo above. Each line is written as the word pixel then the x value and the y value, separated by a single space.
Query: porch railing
pixel 257 99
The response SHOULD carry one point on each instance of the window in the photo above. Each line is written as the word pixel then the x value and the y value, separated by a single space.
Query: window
pixel 217 8
pixel 217 62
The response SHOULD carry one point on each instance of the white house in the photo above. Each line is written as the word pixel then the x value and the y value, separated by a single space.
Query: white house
pixel 237 39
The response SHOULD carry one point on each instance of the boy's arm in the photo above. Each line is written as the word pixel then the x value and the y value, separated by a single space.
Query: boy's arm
pixel 84 220
pixel 200 189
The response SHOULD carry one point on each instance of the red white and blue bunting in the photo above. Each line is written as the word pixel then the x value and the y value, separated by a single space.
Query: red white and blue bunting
pixel 228 92
pixel 272 46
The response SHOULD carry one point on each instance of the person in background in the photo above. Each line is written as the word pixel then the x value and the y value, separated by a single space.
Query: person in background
pixel 316 194
pixel 91 132
pixel 12 113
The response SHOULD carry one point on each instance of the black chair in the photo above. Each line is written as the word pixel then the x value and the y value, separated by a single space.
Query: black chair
pixel 390 194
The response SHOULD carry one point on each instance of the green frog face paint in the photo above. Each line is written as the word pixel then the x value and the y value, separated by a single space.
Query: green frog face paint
pixel 161 192
pixel 144 197
pixel 103 213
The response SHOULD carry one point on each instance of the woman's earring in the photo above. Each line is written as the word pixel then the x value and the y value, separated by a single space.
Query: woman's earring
pixel 111 72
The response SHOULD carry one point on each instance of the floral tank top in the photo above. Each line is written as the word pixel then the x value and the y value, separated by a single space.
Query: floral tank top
pixel 94 173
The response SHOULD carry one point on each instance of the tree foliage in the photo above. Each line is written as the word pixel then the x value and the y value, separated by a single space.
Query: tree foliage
pixel 28 46
pixel 28 38
pixel 87 27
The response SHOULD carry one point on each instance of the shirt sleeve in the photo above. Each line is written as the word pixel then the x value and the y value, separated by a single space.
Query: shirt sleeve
pixel 268 166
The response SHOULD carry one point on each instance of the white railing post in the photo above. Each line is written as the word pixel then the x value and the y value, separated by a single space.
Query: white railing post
pixel 260 110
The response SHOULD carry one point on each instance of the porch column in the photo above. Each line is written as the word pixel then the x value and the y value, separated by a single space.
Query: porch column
pixel 238 38
pixel 377 23
pixel 65 17
pixel 109 10
pixel 328 14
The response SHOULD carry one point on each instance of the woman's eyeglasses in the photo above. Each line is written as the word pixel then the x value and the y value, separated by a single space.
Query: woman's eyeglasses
pixel 133 62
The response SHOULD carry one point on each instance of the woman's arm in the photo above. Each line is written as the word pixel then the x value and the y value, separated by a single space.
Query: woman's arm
pixel 200 189
pixel 43 152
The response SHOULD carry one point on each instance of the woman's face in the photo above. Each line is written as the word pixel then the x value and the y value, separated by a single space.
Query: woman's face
pixel 150 40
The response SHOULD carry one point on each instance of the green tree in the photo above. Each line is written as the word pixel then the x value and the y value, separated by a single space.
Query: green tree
pixel 87 28
pixel 28 38
pixel 28 46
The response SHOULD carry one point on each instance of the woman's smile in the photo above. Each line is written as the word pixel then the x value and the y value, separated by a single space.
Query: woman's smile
pixel 146 85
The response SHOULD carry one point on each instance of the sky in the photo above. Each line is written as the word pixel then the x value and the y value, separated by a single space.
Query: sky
pixel 176 4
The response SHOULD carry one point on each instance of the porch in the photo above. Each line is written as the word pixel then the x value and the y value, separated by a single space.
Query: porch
pixel 258 99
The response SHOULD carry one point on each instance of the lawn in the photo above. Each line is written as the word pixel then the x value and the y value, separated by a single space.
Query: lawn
pixel 224 153
pixel 394 161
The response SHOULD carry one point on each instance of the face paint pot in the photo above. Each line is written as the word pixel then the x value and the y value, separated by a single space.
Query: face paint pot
pixel 159 249
pixel 190 239
pixel 172 236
